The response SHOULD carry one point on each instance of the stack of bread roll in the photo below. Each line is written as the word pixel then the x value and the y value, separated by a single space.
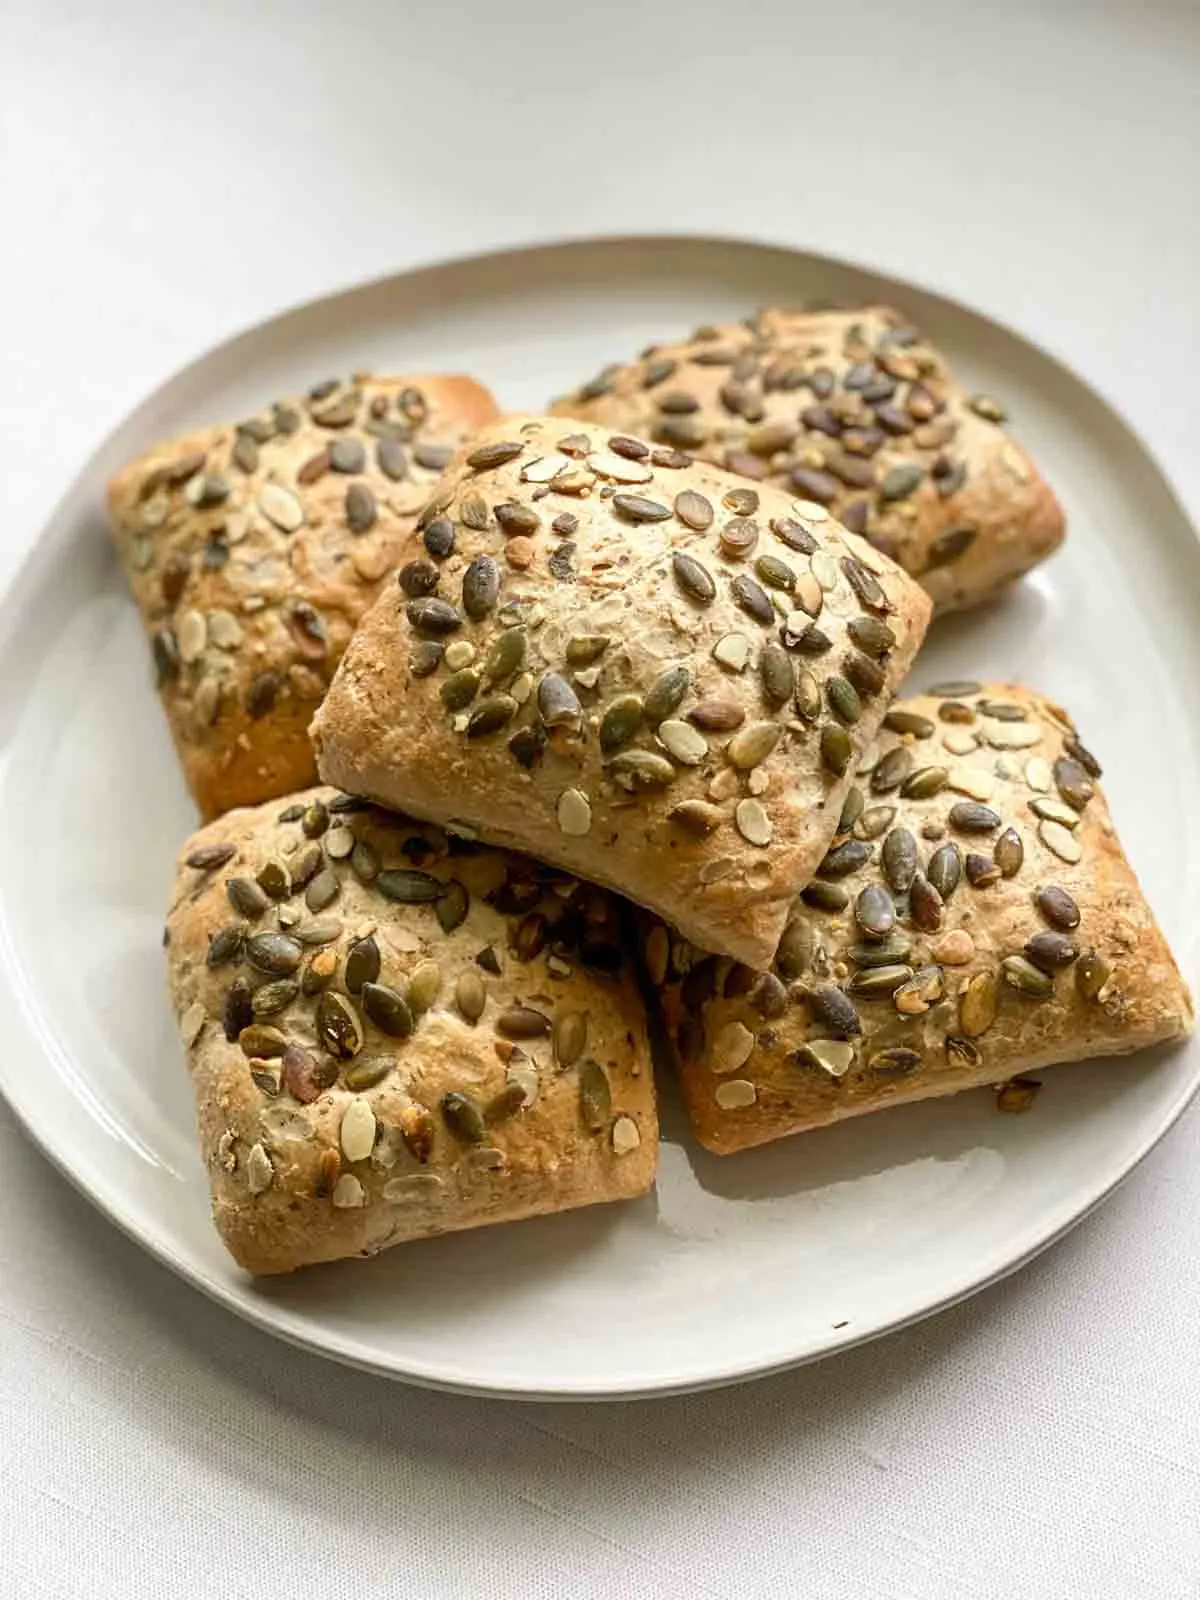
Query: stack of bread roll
pixel 506 728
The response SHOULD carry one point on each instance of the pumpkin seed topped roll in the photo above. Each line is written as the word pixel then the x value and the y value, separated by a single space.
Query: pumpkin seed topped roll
pixel 629 664
pixel 974 919
pixel 857 410
pixel 252 551
pixel 393 1033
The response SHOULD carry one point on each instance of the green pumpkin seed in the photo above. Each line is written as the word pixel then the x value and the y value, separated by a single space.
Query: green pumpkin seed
pixel 261 1040
pixel 924 905
pixel 433 616
pixel 843 699
pixel 481 587
pixel 874 638
pixel 834 1010
pixel 666 694
pixel 900 860
pixel 304 864
pixel 585 648
pixel 868 677
pixel 452 906
pixel 246 898
pixel 968 816
pixel 795 952
pixel 865 584
pixel 901 721
pixel 693 578
pixel 464 1118
pixel 425 658
pixel 852 809
pixel 408 887
pixel 595 1096
pixel 558 704
pixel 641 769
pixel 570 1037
pixel 894 950
pixel 776 574
pixel 322 890
pixel 891 770
pixel 925 783
pixel 900 481
pixel 836 749
pixel 777 674
pixel 505 1104
pixel 522 1022
pixel 895 1061
pixel 637 508
pixel 844 858
pixel 273 880
pixel 315 819
pixel 1026 979
pixel 387 1009
pixel 363 963
pixel 878 983
pixel 490 715
pixel 825 896
pixel 274 997
pixel 470 996
pixel 364 861
pixel 1073 782
pixel 1092 972
pixel 945 869
pixel 808 696
pixel 875 820
pixel 981 871
pixel 424 986
pixel 752 598
pixel 367 1071
pixel 977 1005
pixel 1058 908
pixel 962 1052
pixel 274 953
pixel 225 946
pixel 1009 853
pixel 460 689
pixel 237 1011
pixel 697 816
pixel 874 911
pixel 620 722
pixel 506 656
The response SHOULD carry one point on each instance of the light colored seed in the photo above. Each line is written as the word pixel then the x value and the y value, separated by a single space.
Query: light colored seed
pixel 731 1048
pixel 810 597
pixel 1025 978
pixel 1038 775
pixel 735 1094
pixel 1061 841
pixel 424 986
pixel 260 1174
pixel 960 742
pixel 191 634
pixel 459 654
pixel 809 510
pixel 834 1056
pixel 724 785
pixel 545 468
pixel 732 651
pixel 625 1136
pixel 280 506
pixel 224 630
pixel 954 949
pixel 339 843
pixel 752 744
pixel 522 1072
pixel 824 570
pixel 1052 810
pixel 357 1133
pixel 641 769
pixel 977 1004
pixel 697 816
pixel 191 1022
pixel 1011 735
pixel 683 742
pixel 976 782
pixel 413 1188
pixel 348 1193
pixel 713 871
pixel 753 823
pixel 759 781
pixel 570 1037
pixel 595 1095
pixel 574 813
pixel 470 995
pixel 606 464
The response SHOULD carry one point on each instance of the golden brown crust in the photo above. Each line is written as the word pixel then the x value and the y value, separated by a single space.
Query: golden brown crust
pixel 1016 808
pixel 241 550
pixel 499 977
pixel 679 639
pixel 856 409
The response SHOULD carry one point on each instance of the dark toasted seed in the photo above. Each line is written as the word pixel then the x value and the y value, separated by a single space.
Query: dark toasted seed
pixel 620 722
pixel 464 1118
pixel 945 869
pixel 810 641
pixel 260 1039
pixel 304 1076
pixel 924 783
pixel 658 371
pixel 490 715
pixel 836 749
pixel 1058 908
pixel 306 861
pixel 808 697
pixel 238 1010
pixel 246 898
pixel 962 1051
pixel 678 403
pixel 363 962
pixel 274 953
pixel 516 519
pixel 337 1024
pixel 890 771
pixel 433 616
pixel 439 538
pixel 694 579
pixel 347 455
pixel 843 699
pixel 452 906
pixel 776 574
pixel 777 674
pixel 323 889
pixel 408 887
pixel 637 508
pixel 314 469
pixel 506 656
pixel 815 485
pixel 558 703
pixel 874 911
pixel 955 688
pixel 968 816
pixel 632 449
pixel 1026 979
pixel 900 481
pixel 1091 974
pixel 262 694
pixel 981 871
pixel 387 1009
pixel 274 997
pixel 899 860
pixel 834 1010
pixel 752 598
pixel 529 940
pixel 1073 782
pixel 949 546
pixel 795 952
pixel 894 950
pixel 481 587
pixel 418 578
pixel 315 819
pixel 392 461
pixel 693 510
pixel 697 816
pixel 459 689
pixel 872 636
pixel 681 433
pixel 874 821
pixel 209 856
pixel 1083 755
pixel 878 983
pixel 742 502
pixel 1051 951
pixel 895 1060
pixel 425 658
pixel 852 809
pixel 494 455
pixel 527 745
pixel 225 946
pixel 865 584
pixel 845 858
pixel 794 534
pixel 666 694
pixel 1009 852
pixel 869 677
pixel 595 1096
pixel 522 1022
pixel 824 896
pixel 901 721
pixel 925 905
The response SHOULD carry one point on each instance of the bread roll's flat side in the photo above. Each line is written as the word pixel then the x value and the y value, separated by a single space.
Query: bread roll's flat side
pixel 322 1104
pixel 995 779
pixel 638 667
pixel 856 409
pixel 253 549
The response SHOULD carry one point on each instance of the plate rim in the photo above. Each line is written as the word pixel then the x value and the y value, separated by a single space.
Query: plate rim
pixel 236 1292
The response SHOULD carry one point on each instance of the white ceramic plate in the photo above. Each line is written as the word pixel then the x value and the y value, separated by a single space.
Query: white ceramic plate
pixel 734 1267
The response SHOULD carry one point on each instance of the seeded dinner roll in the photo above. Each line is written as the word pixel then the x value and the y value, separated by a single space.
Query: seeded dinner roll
pixel 974 919
pixel 634 666
pixel 394 1033
pixel 254 548
pixel 856 410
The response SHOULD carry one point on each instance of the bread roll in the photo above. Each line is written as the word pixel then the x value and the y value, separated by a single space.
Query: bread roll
pixel 637 667
pixel 857 410
pixel 391 1033
pixel 253 549
pixel 975 919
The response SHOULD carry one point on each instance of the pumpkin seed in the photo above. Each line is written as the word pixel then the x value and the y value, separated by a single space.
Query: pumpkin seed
pixel 464 1117
pixel 981 870
pixel 666 694
pixel 900 721
pixel 693 510
pixel 945 869
pixel 834 1010
pixel 522 1022
pixel 1009 852
pixel 895 1060
pixel 1052 810
pixel 1027 979
pixel 925 905
pixel 494 455
pixel 274 953
pixel 753 823
pixel 274 997
pixel 1092 972
pixel 570 1037
pixel 843 699
pixel 833 1056
pixel 697 816
pixel 693 578
pixel 893 950
pixel 280 506
pixel 323 889
pixel 776 574
pixel 891 770
pixel 595 1096
pixel 962 1052
pixel 209 856
pixel 778 675
pixel 433 616
pixel 387 1009
pixel 425 658
pixel 490 715
pixel 1058 908
pixel 620 722
pixel 874 911
pixel 558 704
pixel 469 995
pixel 305 863
pixel 367 1071
pixel 844 858
pixel 321 967
pixel 868 677
pixel 875 820
pixel 924 783
pixel 460 689
pixel 852 809
pixel 303 1076
pixel 1061 841
pixel 225 946
pixel 900 860
pixel 641 769
pixel 481 587
pixel 873 638
pixel 1051 951
pixel 977 1005
pixel 924 989
pixel 259 1039
pixel 364 861
pixel 732 651
pixel 409 887
pixel 338 1027
pixel 585 648
pixel 574 813
pixel 752 599
pixel 246 898
pixel 823 896
pixel 793 957
pixel 238 1010
pixel 637 508
pixel 452 906
pixel 876 983
pixel 836 749
pixel 865 584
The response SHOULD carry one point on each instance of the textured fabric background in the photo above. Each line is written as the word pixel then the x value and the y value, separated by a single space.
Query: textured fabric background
pixel 172 174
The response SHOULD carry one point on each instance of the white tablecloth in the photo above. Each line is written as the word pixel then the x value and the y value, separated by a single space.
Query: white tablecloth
pixel 173 173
